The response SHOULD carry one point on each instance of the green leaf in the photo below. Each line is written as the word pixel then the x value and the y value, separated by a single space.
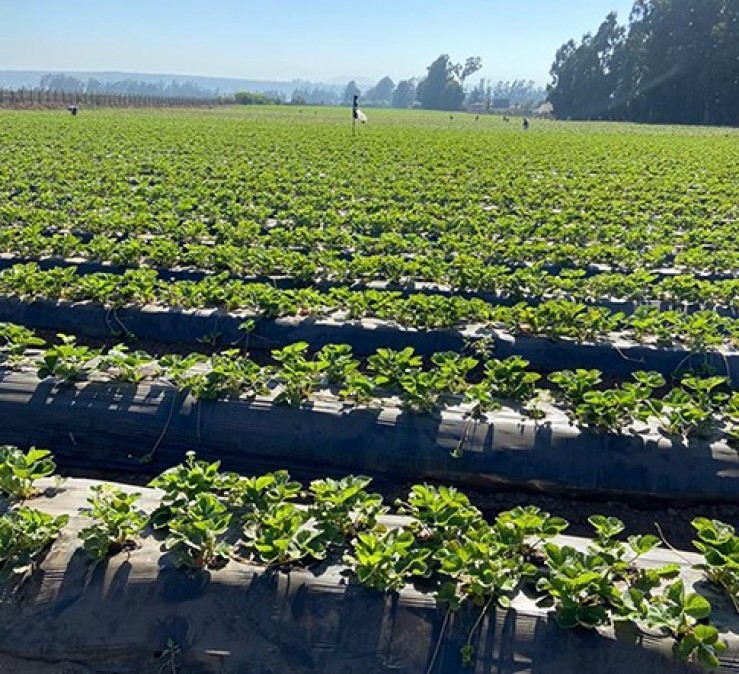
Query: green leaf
pixel 697 607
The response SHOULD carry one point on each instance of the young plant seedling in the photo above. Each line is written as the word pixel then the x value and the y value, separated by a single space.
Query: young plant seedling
pixel 196 533
pixel 24 535
pixel 67 361
pixel 720 547
pixel 17 341
pixel 117 524
pixel 20 470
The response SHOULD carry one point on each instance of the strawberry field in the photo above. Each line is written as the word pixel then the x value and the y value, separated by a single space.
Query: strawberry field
pixel 434 301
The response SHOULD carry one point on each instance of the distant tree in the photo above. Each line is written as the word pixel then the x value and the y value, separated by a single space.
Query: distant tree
pixel 480 93
pixel 443 86
pixel 254 98
pixel 430 91
pixel 676 61
pixel 470 67
pixel 452 97
pixel 404 95
pixel 316 96
pixel 583 76
pixel 382 92
pixel 275 94
pixel 350 92
pixel 61 82
pixel 93 86
pixel 519 92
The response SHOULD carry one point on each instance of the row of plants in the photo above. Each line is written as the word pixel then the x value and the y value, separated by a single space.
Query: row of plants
pixel 624 197
pixel 221 245
pixel 445 547
pixel 556 319
pixel 457 271
pixel 693 406
pixel 25 533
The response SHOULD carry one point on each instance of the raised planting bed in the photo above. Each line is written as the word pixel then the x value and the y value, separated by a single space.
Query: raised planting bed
pixel 116 426
pixel 618 357
pixel 137 612
pixel 83 267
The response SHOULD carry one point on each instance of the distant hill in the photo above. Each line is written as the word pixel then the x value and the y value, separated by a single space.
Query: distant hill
pixel 29 79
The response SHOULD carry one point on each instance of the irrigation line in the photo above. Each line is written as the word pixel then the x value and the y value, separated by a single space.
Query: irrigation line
pixel 438 641
pixel 147 458
pixel 670 546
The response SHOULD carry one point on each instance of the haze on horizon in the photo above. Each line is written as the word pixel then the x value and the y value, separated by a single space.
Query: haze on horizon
pixel 287 40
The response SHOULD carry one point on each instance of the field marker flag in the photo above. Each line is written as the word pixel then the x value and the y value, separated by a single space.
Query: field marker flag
pixel 357 114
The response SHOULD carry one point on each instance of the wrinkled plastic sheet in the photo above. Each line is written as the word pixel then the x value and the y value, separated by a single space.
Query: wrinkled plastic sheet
pixel 170 326
pixel 127 614
pixel 120 427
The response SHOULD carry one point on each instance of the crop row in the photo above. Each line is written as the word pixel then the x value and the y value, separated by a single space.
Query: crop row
pixel 699 332
pixel 208 518
pixel 456 271
pixel 698 406
pixel 625 199
pixel 225 246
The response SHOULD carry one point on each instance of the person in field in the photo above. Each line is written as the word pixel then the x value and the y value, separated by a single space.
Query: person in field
pixel 525 124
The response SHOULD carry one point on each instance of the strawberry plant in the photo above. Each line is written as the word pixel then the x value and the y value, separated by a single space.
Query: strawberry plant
pixel 648 322
pixel 181 370
pixel 117 524
pixel 342 508
pixel 703 391
pixel 482 567
pixel 20 470
pixel 731 412
pixel 66 361
pixel 339 363
pixel 438 514
pixel 682 416
pixel 573 385
pixel 691 409
pixel 17 340
pixel 420 391
pixel 298 375
pixel 182 485
pixel 257 495
pixel 703 331
pixel 358 388
pixel 510 378
pixel 720 547
pixel 127 366
pixel 196 533
pixel 452 370
pixel 387 560
pixel 389 367
pixel 680 614
pixel 489 561
pixel 612 409
pixel 24 535
pixel 504 379
pixel 229 374
pixel 587 588
pixel 282 536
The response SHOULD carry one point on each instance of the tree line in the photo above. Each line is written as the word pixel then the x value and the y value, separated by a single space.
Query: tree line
pixel 124 87
pixel 443 88
pixel 676 61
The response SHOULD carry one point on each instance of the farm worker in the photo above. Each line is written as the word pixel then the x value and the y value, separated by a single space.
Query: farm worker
pixel 525 124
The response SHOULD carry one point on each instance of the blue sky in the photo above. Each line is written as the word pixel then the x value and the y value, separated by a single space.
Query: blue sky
pixel 287 39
